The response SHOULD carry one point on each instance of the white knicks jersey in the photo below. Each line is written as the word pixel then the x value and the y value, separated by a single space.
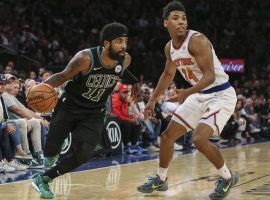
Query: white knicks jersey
pixel 188 66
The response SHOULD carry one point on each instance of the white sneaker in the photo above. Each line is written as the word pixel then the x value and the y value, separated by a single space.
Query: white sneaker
pixel 23 155
pixel 152 148
pixel 255 130
pixel 177 147
pixel 6 168
pixel 18 166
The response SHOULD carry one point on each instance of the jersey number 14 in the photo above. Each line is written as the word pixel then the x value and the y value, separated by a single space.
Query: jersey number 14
pixel 189 75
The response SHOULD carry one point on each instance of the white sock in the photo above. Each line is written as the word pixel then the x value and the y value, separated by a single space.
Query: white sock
pixel 162 173
pixel 224 172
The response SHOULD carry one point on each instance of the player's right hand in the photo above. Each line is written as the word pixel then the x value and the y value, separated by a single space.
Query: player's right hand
pixel 149 110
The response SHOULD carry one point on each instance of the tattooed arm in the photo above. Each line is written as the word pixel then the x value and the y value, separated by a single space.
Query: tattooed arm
pixel 79 63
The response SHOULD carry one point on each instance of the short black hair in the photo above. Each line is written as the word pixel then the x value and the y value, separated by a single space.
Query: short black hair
pixel 112 31
pixel 172 6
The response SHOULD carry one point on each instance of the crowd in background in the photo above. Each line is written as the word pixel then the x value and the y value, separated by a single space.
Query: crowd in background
pixel 51 36
pixel 250 122
pixel 23 131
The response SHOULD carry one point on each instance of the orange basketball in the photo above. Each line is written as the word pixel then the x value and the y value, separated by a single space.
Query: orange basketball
pixel 42 98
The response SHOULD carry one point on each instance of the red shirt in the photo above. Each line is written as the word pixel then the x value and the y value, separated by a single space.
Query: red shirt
pixel 120 108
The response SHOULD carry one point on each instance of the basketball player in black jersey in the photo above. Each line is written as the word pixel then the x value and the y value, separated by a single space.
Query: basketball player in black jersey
pixel 91 76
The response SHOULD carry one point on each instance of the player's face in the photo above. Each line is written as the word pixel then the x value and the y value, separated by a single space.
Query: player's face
pixel 176 23
pixel 117 48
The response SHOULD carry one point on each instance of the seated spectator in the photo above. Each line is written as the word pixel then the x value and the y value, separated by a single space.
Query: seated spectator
pixel 41 71
pixel 17 111
pixel 252 117
pixel 263 110
pixel 15 136
pixel 152 126
pixel 168 109
pixel 129 125
pixel 44 76
pixel 21 96
pixel 8 148
pixel 243 129
pixel 7 131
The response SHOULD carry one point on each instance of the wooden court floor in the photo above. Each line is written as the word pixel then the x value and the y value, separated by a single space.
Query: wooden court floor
pixel 190 177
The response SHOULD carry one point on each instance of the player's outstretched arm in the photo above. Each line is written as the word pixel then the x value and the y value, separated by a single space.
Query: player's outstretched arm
pixel 79 63
pixel 201 49
pixel 166 77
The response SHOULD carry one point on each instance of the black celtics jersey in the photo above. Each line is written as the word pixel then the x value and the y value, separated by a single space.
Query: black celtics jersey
pixel 91 89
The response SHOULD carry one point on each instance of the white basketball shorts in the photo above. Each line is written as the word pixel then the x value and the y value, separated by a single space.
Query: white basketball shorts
pixel 213 109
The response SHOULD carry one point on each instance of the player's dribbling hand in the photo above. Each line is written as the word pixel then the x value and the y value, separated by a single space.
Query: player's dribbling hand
pixel 180 96
pixel 149 110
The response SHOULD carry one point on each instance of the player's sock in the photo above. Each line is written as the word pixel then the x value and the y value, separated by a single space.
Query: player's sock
pixel 64 166
pixel 162 173
pixel 224 172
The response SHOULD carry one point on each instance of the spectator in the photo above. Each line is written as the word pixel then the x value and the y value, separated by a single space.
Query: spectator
pixel 152 126
pixel 251 116
pixel 17 111
pixel 129 125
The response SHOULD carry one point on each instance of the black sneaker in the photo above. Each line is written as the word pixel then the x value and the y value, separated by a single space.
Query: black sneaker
pixel 153 183
pixel 223 187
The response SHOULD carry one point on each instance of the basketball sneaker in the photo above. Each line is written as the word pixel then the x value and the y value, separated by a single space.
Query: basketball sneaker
pixel 154 183
pixel 33 164
pixel 223 187
pixel 50 161
pixel 41 185
pixel 39 157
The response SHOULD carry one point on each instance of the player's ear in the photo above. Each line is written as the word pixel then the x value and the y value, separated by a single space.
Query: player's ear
pixel 165 23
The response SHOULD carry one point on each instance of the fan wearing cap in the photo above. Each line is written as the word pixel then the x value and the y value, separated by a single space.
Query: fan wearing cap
pixel 129 125
pixel 22 115
pixel 90 78
pixel 9 128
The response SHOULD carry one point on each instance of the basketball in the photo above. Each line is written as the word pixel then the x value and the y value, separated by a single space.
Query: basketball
pixel 42 98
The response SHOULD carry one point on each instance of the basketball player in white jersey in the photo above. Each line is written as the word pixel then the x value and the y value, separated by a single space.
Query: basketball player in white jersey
pixel 206 106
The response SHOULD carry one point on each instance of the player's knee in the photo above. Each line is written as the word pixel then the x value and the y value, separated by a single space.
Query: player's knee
pixel 85 153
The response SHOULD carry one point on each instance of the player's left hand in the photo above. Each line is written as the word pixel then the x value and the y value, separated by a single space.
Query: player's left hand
pixel 180 96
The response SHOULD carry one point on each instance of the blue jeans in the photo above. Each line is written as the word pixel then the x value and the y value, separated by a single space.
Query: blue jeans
pixel 152 130
pixel 7 147
pixel 44 132
pixel 15 137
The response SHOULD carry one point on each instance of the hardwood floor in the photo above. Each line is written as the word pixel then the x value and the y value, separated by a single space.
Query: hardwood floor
pixel 190 177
